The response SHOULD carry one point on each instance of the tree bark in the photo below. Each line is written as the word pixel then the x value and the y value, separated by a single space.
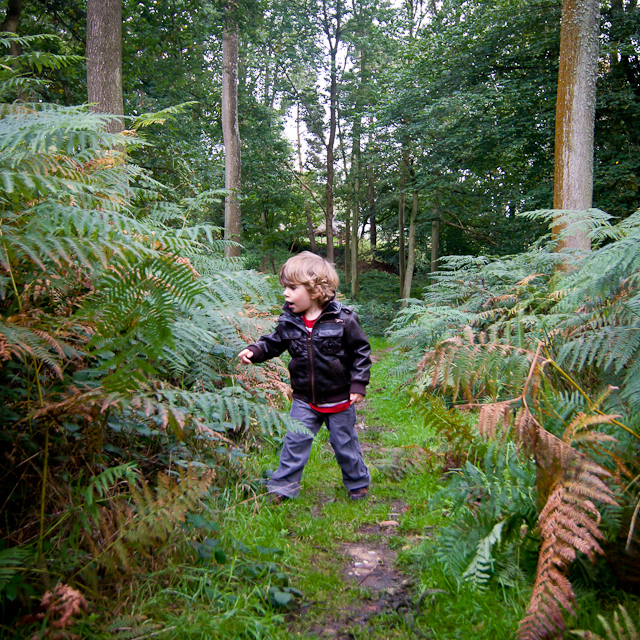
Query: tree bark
pixel 435 239
pixel 371 214
pixel 355 279
pixel 373 236
pixel 104 60
pixel 347 241
pixel 307 208
pixel 575 115
pixel 401 224
pixel 312 235
pixel 333 40
pixel 10 24
pixel 355 211
pixel 231 137
pixel 411 254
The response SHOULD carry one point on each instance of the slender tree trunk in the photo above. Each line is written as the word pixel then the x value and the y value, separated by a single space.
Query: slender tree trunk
pixel 333 40
pixel 575 114
pixel 312 235
pixel 307 208
pixel 373 236
pixel 401 224
pixel 299 140
pixel 104 60
pixel 411 254
pixel 231 136
pixel 371 213
pixel 330 153
pixel 355 210
pixel 435 238
pixel 355 279
pixel 347 241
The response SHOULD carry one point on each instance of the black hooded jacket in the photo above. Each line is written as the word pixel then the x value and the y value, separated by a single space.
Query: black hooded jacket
pixel 327 364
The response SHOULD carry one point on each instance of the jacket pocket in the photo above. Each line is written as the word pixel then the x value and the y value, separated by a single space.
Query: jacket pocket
pixel 328 339
pixel 338 371
pixel 297 340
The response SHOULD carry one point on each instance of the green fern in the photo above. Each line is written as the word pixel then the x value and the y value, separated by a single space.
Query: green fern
pixel 624 629
pixel 482 565
pixel 11 564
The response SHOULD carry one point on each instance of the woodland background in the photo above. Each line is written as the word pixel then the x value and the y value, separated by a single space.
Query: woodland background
pixel 134 254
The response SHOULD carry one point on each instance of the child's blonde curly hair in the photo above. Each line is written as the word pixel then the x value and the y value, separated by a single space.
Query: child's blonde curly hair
pixel 316 274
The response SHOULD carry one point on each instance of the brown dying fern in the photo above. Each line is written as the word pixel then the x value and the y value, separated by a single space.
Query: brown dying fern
pixel 569 485
pixel 568 523
pixel 130 532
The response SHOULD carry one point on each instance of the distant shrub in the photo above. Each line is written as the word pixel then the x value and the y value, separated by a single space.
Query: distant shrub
pixel 375 317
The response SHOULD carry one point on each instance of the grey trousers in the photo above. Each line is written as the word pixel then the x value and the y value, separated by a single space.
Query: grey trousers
pixel 297 447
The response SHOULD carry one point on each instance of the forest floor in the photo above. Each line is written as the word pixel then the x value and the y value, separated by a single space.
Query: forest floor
pixel 356 565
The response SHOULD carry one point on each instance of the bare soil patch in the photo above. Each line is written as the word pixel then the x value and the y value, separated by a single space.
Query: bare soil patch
pixel 370 567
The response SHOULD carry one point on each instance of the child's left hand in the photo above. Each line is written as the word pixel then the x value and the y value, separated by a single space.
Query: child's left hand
pixel 356 397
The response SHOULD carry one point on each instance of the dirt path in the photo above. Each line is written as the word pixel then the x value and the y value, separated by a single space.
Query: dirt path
pixel 376 586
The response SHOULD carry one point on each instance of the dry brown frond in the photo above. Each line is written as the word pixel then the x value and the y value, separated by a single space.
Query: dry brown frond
pixel 129 533
pixel 568 523
pixel 59 607
pixel 528 279
pixel 525 429
pixel 5 351
pixel 494 419
pixel 574 431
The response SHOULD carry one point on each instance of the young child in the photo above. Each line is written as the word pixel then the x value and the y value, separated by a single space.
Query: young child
pixel 329 370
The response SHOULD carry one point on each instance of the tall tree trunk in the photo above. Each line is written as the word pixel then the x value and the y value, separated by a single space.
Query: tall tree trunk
pixel 305 189
pixel 312 235
pixel 347 241
pixel 333 39
pixel 373 235
pixel 355 210
pixel 355 279
pixel 401 224
pixel 10 24
pixel 575 114
pixel 411 254
pixel 435 238
pixel 104 60
pixel 356 163
pixel 330 153
pixel 231 136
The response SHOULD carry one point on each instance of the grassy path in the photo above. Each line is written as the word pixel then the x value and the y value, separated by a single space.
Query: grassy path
pixel 344 554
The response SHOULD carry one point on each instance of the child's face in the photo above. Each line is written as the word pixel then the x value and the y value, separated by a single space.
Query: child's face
pixel 299 298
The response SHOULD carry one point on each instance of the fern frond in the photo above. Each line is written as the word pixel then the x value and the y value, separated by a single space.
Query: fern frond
pixel 626 631
pixel 11 561
pixel 492 416
pixel 479 570
pixel 568 523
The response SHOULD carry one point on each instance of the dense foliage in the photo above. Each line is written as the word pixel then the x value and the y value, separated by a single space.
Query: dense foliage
pixel 550 359
pixel 118 318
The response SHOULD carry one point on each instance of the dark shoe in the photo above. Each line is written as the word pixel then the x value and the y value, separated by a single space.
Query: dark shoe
pixel 359 494
pixel 276 498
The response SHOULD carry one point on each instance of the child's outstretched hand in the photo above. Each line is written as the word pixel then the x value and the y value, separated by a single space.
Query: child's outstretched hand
pixel 356 397
pixel 245 356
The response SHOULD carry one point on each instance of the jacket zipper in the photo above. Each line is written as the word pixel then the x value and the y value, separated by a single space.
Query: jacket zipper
pixel 310 343
pixel 313 378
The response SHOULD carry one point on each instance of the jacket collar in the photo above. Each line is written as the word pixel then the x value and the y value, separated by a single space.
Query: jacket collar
pixel 332 307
